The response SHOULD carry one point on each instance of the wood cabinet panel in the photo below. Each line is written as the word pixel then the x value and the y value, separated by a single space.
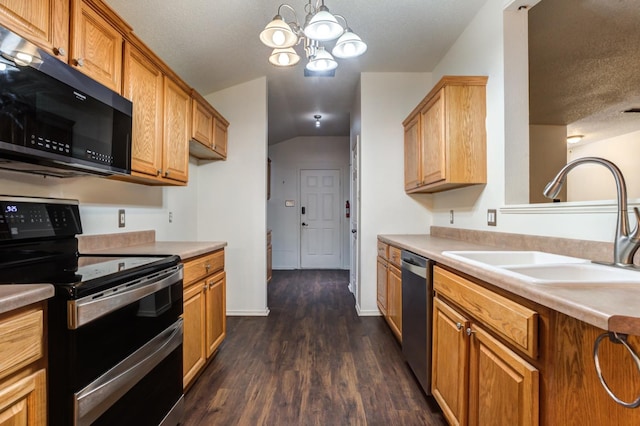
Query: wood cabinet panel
pixel 433 146
pixel 209 130
pixel 514 322
pixel 383 250
pixel 143 85
pixel 216 312
pixel 201 266
pixel 394 301
pixel 503 388
pixel 96 48
pixel 450 362
pixel 412 156
pixel 24 402
pixel 202 123
pixel 381 285
pixel 395 256
pixel 44 22
pixel 220 136
pixel 193 345
pixel 177 109
pixel 21 340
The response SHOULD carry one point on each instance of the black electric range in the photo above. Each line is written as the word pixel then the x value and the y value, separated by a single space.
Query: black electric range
pixel 114 327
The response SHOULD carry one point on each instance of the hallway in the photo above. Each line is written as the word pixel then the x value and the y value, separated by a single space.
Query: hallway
pixel 312 361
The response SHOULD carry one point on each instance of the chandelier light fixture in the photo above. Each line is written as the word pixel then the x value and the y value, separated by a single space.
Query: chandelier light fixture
pixel 320 26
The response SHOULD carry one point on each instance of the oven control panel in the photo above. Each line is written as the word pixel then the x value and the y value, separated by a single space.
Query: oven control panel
pixel 34 218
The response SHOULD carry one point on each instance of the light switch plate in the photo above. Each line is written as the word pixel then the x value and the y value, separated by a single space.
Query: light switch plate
pixel 492 217
pixel 289 203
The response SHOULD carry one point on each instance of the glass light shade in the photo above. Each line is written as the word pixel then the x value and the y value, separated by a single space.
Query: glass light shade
pixel 349 45
pixel 278 34
pixel 284 57
pixel 323 61
pixel 323 26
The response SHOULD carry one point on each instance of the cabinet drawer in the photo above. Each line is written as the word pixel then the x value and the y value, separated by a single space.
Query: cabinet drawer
pixel 202 266
pixel 512 321
pixel 21 340
pixel 395 256
pixel 383 250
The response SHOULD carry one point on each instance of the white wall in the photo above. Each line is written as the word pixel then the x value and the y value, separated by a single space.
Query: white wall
pixel 385 101
pixel 146 207
pixel 232 196
pixel 623 150
pixel 287 159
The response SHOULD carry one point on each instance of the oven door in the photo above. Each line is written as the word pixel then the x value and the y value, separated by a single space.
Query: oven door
pixel 124 365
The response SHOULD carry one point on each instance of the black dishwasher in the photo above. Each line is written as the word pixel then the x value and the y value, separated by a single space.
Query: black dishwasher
pixel 417 308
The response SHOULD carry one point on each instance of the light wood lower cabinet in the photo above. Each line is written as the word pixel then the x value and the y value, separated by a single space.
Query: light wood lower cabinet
pixel 389 287
pixel 204 312
pixel 477 379
pixel 23 383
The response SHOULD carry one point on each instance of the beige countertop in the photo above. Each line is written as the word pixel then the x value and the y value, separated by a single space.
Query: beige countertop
pixel 184 249
pixel 14 296
pixel 607 306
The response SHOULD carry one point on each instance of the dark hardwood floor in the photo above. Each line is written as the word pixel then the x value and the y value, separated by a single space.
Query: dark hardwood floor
pixel 312 361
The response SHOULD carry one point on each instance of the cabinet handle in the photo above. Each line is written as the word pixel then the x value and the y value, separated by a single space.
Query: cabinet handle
pixel 59 51
pixel 166 173
pixel 79 62
pixel 470 331
pixel 211 284
pixel 207 267
pixel 205 287
pixel 459 326
pixel 158 172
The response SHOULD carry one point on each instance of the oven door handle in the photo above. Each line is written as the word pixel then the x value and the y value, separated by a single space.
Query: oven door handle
pixel 97 397
pixel 86 309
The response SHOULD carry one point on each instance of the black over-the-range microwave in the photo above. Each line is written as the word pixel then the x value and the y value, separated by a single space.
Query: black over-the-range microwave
pixel 56 121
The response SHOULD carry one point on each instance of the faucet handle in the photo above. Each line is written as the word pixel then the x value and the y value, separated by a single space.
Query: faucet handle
pixel 636 229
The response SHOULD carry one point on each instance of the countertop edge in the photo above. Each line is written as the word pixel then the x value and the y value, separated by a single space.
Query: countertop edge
pixel 587 303
pixel 185 249
pixel 16 296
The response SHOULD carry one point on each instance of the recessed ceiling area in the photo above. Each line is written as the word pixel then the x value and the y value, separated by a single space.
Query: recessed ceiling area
pixel 214 45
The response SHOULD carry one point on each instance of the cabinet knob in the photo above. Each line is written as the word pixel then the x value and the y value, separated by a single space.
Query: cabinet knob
pixel 166 173
pixel 470 331
pixel 459 326
pixel 158 172
pixel 59 51
pixel 211 284
pixel 79 62
pixel 205 287
pixel 207 267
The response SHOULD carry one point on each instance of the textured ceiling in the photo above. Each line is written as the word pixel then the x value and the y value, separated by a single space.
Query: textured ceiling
pixel 214 44
pixel 583 66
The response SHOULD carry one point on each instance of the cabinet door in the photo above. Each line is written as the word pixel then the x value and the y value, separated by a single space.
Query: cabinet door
pixel 202 123
pixel 382 285
pixel 216 312
pixel 193 341
pixel 450 362
pixel 220 137
pixel 394 301
pixel 503 388
pixel 433 152
pixel 23 402
pixel 96 48
pixel 142 85
pixel 44 22
pixel 412 173
pixel 177 107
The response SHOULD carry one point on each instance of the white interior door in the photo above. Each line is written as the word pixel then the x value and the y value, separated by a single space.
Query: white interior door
pixel 320 219
pixel 355 202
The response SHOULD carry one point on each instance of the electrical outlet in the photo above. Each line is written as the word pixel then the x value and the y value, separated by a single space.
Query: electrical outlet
pixel 492 217
pixel 170 217
pixel 121 218
pixel 450 216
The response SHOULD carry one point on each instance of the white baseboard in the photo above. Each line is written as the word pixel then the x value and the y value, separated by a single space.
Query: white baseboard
pixel 263 313
pixel 368 312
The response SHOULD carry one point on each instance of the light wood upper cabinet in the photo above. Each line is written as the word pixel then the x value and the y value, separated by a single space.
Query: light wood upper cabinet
pixel 208 130
pixel 44 22
pixel 143 85
pixel 445 137
pixel 96 46
pixel 177 117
